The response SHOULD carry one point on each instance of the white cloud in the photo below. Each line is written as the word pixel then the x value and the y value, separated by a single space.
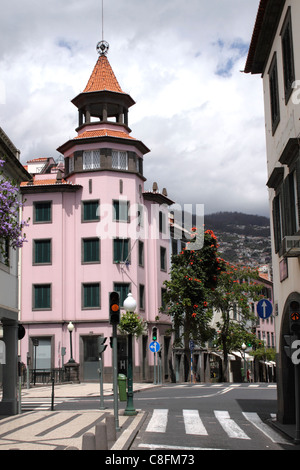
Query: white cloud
pixel 180 61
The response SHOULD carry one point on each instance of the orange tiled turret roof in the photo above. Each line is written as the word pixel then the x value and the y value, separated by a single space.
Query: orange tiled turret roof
pixel 103 77
pixel 104 133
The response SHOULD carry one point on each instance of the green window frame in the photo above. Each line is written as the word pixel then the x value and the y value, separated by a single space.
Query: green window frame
pixel 42 212
pixel 42 296
pixel 90 211
pixel 91 250
pixel 123 290
pixel 91 295
pixel 142 296
pixel 42 251
pixel 163 258
pixel 141 253
pixel 121 250
pixel 120 211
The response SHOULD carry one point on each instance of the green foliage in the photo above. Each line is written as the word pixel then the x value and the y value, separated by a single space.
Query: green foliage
pixel 266 354
pixel 237 289
pixel 131 323
pixel 194 274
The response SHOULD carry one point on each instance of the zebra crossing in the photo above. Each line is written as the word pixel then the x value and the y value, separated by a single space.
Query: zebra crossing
pixel 194 424
pixel 39 405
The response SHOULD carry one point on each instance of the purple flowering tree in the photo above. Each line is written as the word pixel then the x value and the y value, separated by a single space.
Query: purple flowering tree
pixel 10 226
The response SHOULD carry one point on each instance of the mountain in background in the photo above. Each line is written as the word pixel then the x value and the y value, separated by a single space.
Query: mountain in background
pixel 242 238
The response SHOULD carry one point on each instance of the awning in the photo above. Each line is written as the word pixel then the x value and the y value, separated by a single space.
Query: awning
pixel 241 356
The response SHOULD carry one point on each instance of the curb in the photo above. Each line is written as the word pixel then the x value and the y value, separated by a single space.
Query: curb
pixel 129 434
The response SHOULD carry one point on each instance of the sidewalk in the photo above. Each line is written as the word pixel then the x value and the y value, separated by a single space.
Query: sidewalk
pixel 63 429
pixel 77 390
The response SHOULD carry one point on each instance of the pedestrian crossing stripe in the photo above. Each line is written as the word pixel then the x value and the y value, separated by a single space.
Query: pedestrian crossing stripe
pixel 193 423
pixel 194 426
pixel 159 420
pixel 34 405
pixel 230 426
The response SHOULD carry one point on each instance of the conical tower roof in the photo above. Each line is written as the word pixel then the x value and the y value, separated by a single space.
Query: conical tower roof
pixel 103 77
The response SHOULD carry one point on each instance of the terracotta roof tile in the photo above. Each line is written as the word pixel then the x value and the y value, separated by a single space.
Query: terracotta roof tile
pixel 104 133
pixel 103 77
pixel 43 159
pixel 46 182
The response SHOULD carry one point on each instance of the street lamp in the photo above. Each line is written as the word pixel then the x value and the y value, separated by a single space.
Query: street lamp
pixel 130 306
pixel 245 372
pixel 70 329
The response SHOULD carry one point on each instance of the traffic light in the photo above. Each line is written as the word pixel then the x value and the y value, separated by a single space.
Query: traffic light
pixel 295 317
pixel 114 308
pixel 154 333
pixel 100 343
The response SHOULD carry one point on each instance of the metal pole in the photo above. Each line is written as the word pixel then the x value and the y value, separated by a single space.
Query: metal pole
pixel 297 403
pixel 130 410
pixel 102 407
pixel 154 368
pixel 20 386
pixel 52 395
pixel 115 376
pixel 71 348
pixel 34 365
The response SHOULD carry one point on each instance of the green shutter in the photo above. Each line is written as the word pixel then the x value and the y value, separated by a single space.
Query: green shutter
pixel 42 251
pixel 42 296
pixel 123 290
pixel 90 210
pixel 43 212
pixel 121 249
pixel 91 295
pixel 91 250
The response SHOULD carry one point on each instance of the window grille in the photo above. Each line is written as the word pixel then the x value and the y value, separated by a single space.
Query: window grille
pixel 71 164
pixel 119 160
pixel 91 159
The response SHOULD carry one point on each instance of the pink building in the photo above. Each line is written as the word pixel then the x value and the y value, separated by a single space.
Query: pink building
pixel 93 229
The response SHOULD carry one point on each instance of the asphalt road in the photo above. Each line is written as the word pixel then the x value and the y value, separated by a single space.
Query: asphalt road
pixel 192 417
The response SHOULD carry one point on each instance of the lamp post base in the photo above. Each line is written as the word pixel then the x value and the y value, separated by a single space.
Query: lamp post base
pixel 130 410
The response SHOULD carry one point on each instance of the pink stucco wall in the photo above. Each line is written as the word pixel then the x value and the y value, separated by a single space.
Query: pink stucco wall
pixel 67 273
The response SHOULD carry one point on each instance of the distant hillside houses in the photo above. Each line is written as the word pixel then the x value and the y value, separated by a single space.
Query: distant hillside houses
pixel 242 238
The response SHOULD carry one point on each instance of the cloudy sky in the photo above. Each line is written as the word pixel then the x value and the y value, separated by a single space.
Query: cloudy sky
pixel 180 61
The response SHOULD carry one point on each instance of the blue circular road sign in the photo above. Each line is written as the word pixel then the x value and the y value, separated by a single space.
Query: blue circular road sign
pixel 264 309
pixel 154 346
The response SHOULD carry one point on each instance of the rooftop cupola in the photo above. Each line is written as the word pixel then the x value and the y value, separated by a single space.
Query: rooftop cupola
pixel 103 100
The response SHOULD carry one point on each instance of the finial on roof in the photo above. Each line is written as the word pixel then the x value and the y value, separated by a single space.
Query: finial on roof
pixel 102 48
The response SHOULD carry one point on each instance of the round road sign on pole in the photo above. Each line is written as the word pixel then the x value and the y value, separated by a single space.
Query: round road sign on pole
pixel 264 309
pixel 154 346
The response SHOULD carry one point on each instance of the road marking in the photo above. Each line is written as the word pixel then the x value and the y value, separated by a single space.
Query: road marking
pixel 230 426
pixel 158 422
pixel 265 428
pixel 162 446
pixel 193 423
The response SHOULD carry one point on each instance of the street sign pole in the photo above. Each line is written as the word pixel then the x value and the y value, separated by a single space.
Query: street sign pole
pixel 102 407
pixel 154 347
pixel 115 376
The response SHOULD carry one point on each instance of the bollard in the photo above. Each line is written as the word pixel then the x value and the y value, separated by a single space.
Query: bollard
pixel 88 441
pixel 101 436
pixel 110 429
